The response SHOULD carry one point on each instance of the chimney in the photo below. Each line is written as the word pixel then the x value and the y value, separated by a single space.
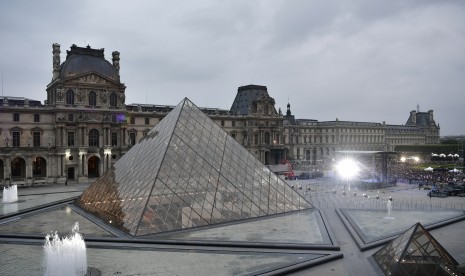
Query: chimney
pixel 116 60
pixel 413 117
pixel 431 119
pixel 56 60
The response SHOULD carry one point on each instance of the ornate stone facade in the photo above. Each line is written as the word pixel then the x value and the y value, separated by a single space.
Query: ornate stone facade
pixel 85 126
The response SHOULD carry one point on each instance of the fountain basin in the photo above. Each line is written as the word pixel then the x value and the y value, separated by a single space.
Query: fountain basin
pixel 371 228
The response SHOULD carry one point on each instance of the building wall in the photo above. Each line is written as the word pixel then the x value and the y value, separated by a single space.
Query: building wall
pixel 58 141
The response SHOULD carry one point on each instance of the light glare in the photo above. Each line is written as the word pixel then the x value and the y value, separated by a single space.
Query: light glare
pixel 347 168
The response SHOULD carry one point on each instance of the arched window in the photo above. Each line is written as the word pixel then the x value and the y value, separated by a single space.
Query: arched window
pixel 113 99
pixel 18 168
pixel 39 167
pixel 92 98
pixel 70 97
pixel 93 138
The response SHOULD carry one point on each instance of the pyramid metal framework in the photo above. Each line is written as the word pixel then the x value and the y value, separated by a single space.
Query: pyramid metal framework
pixel 415 252
pixel 186 172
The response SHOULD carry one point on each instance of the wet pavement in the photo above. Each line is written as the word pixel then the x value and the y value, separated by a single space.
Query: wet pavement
pixel 325 194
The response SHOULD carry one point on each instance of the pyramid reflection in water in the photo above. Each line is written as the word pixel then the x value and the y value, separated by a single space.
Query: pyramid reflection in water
pixel 186 172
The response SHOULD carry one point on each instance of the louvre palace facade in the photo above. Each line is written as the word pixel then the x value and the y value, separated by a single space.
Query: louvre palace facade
pixel 84 125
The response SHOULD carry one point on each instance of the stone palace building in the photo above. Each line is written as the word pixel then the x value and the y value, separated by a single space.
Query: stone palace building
pixel 84 125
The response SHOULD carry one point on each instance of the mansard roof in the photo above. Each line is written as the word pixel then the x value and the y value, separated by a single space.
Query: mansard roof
pixel 81 60
pixel 246 97
pixel 18 101
pixel 421 119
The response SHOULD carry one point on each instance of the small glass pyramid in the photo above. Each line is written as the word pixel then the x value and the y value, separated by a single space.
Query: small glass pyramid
pixel 415 252
pixel 186 172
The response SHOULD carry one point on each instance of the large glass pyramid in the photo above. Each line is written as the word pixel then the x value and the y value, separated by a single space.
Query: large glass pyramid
pixel 186 172
pixel 415 252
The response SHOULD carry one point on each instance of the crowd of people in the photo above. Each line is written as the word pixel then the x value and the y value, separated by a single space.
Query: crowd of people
pixel 401 171
pixel 417 176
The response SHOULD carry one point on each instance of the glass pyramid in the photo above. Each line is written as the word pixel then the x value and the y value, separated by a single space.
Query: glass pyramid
pixel 415 252
pixel 186 172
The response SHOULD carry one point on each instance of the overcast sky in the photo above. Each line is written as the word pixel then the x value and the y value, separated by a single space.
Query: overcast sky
pixel 357 60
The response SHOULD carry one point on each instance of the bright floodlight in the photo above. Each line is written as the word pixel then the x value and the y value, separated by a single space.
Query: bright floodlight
pixel 347 168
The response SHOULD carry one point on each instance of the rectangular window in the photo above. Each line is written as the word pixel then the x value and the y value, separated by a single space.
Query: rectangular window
pixel 233 123
pixel 132 138
pixel 70 138
pixel 147 121
pixel 255 139
pixel 36 118
pixel 233 135
pixel 36 138
pixel 222 123
pixel 16 138
pixel 114 139
pixel 132 121
pixel 15 117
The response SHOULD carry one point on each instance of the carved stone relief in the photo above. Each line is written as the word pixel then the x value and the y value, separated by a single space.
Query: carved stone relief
pixel 92 79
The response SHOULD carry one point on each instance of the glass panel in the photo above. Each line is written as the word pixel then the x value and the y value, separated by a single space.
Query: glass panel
pixel 186 172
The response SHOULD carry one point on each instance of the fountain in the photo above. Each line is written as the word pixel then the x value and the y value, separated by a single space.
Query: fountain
pixel 65 256
pixel 389 208
pixel 10 194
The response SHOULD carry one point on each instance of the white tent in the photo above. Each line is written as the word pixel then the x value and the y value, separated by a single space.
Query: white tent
pixel 429 169
pixel 454 170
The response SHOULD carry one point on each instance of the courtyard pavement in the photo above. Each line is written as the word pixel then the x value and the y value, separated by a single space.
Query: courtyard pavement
pixel 326 195
pixel 405 196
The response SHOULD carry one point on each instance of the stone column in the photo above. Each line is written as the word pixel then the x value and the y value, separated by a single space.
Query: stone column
pixel 62 136
pixel 57 138
pixel 102 164
pixel 86 169
pixel 7 168
pixel 28 166
pixel 79 170
pixel 100 138
pixel 121 138
pixel 49 165
pixel 78 138
pixel 62 164
pixel 84 136
pixel 108 137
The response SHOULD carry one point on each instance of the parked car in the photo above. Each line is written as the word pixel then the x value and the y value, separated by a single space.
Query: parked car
pixel 436 193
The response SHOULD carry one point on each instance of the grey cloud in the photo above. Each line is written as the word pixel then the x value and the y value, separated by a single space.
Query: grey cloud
pixel 358 60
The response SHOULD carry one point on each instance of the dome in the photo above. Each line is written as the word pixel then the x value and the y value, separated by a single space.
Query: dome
pixel 85 60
